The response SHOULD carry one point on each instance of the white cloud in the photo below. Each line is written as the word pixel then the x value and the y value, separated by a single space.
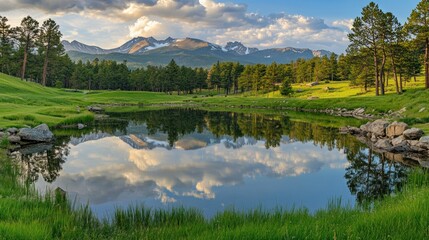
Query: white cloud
pixel 110 23
pixel 345 24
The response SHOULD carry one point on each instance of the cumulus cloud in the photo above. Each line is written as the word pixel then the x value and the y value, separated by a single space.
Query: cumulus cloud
pixel 219 22
pixel 72 5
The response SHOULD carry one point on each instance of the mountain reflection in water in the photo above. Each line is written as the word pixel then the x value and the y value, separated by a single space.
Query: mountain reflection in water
pixel 209 160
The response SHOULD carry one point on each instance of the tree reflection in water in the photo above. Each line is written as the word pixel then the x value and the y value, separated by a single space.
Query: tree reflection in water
pixel 369 176
pixel 41 160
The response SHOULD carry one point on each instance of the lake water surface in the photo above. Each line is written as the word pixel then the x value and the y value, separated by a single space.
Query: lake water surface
pixel 210 161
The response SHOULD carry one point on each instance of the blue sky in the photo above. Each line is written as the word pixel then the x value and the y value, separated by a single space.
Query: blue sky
pixel 329 9
pixel 315 24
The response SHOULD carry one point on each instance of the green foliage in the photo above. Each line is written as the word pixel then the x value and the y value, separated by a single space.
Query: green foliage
pixel 286 88
pixel 4 142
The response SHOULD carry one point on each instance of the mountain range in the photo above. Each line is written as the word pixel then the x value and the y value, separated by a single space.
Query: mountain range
pixel 190 52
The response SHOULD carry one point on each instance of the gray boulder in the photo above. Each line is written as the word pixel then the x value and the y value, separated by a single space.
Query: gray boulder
pixel 80 126
pixel 359 111
pixel 40 133
pixel 95 109
pixel 398 140
pixel 396 129
pixel 14 139
pixel 12 130
pixel 400 148
pixel 424 139
pixel 378 127
pixel 413 134
pixel 365 127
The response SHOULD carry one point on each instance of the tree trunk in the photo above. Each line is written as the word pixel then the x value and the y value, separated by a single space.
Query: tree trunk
pixel 400 83
pixel 377 82
pixel 45 70
pixel 387 78
pixel 45 64
pixel 24 64
pixel 383 63
pixel 395 76
pixel 427 63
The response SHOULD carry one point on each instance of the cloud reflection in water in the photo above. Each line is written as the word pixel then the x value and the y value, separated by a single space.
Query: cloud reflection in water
pixel 109 170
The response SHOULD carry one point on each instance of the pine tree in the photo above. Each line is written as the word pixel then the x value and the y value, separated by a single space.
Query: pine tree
pixel 366 35
pixel 50 45
pixel 5 45
pixel 27 34
pixel 418 25
pixel 172 72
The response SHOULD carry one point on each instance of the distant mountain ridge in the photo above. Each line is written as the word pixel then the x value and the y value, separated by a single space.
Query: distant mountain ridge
pixel 193 52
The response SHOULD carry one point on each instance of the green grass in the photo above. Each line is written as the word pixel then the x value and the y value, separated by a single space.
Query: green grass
pixel 25 215
pixel 25 103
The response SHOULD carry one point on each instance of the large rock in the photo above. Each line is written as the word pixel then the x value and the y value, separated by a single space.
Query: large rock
pixel 415 144
pixel 365 127
pixel 14 139
pixel 398 140
pixel 95 109
pixel 378 127
pixel 396 129
pixel 424 139
pixel 413 134
pixel 383 144
pixel 12 130
pixel 40 133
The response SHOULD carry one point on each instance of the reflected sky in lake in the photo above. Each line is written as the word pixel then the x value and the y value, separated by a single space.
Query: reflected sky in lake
pixel 211 161
pixel 202 171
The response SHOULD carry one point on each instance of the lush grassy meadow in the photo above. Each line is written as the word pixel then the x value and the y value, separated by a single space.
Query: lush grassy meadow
pixel 26 215
pixel 26 103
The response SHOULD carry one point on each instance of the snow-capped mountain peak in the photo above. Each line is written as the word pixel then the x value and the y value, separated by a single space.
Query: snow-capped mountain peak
pixel 239 48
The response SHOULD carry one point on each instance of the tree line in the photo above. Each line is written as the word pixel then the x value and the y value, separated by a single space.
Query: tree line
pixel 382 51
pixel 33 51
pixel 382 46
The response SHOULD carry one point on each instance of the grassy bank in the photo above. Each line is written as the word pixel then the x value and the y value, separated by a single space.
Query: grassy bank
pixel 25 103
pixel 24 215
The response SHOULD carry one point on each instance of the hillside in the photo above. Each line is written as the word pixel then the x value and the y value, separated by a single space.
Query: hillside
pixel 187 51
pixel 25 103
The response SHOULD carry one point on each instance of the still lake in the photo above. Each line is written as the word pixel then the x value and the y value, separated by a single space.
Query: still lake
pixel 211 161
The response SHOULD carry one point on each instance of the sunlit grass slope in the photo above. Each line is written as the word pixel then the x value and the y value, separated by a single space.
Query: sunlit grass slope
pixel 25 103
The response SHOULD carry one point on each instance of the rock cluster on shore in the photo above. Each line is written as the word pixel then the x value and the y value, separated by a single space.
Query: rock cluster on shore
pixel 396 137
pixel 26 136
